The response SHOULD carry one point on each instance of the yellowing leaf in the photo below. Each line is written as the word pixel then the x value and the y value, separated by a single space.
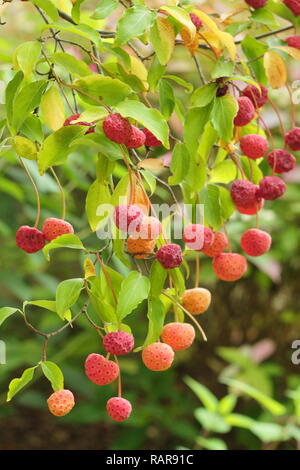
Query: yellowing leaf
pixel 275 69
pixel 228 42
pixel 206 20
pixel 162 38
pixel 89 268
pixel 138 69
pixel 213 40
pixel 153 164
pixel 183 18
pixel 292 51
pixel 53 109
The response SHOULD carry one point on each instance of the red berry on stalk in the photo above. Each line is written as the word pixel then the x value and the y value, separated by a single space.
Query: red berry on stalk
pixel 60 403
pixel 244 194
pixel 246 112
pixel 118 408
pixel 229 266
pixel 196 20
pixel 53 228
pixel 116 128
pixel 198 237
pixel 251 210
pixel 150 139
pixel 178 335
pixel 219 244
pixel 254 146
pixel 257 97
pixel 135 139
pixel 118 342
pixel 281 161
pixel 169 256
pixel 293 41
pixel 271 187
pixel 292 138
pixel 256 3
pixel 128 217
pixel 293 5
pixel 30 239
pixel 74 117
pixel 158 356
pixel 256 242
pixel 100 370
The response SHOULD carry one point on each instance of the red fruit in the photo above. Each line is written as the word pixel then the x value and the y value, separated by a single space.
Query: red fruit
pixel 116 128
pixel 179 336
pixel 150 227
pixel 135 139
pixel 254 146
pixel 271 187
pixel 198 237
pixel 229 266
pixel 158 356
pixel 219 245
pixel 118 342
pixel 118 408
pixel 256 242
pixel 256 3
pixel 292 138
pixel 196 20
pixel 251 210
pixel 150 139
pixel 128 217
pixel 258 98
pixel 244 194
pixel 60 403
pixel 293 5
pixel 53 228
pixel 281 161
pixel 169 256
pixel 245 113
pixel 100 370
pixel 293 41
pixel 74 117
pixel 30 239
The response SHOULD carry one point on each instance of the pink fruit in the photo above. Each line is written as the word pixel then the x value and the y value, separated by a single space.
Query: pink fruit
pixel 198 237
pixel 292 138
pixel 257 97
pixel 256 242
pixel 169 256
pixel 281 161
pixel 229 266
pixel 178 335
pixel 254 146
pixel 196 20
pixel 293 41
pixel 128 217
pixel 251 210
pixel 118 408
pixel 30 239
pixel 244 194
pixel 74 117
pixel 60 403
pixel 100 370
pixel 158 356
pixel 53 228
pixel 245 113
pixel 118 342
pixel 150 227
pixel 293 5
pixel 219 244
pixel 135 139
pixel 271 187
pixel 256 3
pixel 116 128
pixel 150 139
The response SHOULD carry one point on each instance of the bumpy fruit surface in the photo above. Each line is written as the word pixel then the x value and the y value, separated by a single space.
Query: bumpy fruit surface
pixel 245 113
pixel 293 41
pixel 196 20
pixel 158 356
pixel 135 139
pixel 293 5
pixel 116 128
pixel 256 3
pixel 119 409
pixel 60 403
pixel 257 97
pixel 128 217
pixel 254 146
pixel 251 210
pixel 100 370
pixel 196 300
pixel 244 193
pixel 178 335
pixel 150 227
pixel 271 187
pixel 219 244
pixel 256 242
pixel 198 237
pixel 53 228
pixel 169 256
pixel 30 239
pixel 292 138
pixel 118 342
pixel 150 139
pixel 229 266
pixel 139 247
pixel 74 117
pixel 281 161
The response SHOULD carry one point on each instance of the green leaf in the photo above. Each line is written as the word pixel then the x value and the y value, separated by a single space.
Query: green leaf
pixel 212 211
pixel 156 316
pixel 212 421
pixel 48 8
pixel 76 11
pixel 162 38
pixel 211 443
pixel 48 305
pixel 224 110
pixel 104 9
pixel 264 16
pixel 239 421
pixel 82 30
pixel 67 294
pixel 196 119
pixel 208 138
pixel 227 404
pixel 57 146
pixel 166 98
pixel 6 312
pixel 17 384
pixel 53 374
pixel 98 194
pixel 203 393
pixel 268 432
pixel 223 173
pixel 25 148
pixel 102 144
pixel 52 108
pixel 102 89
pixel 32 128
pixel 188 86
pixel 226 204
pixel 103 305
pixel 155 73
pixel 251 169
pixel 204 95
pixel 223 68
pixel 281 10
pixel 64 241
pixel 26 56
pixel 70 64
pixel 157 278
pixel 148 117
pixel 142 18
pixel 10 93
pixel 179 164
pixel 253 48
pixel 138 286
pixel 27 100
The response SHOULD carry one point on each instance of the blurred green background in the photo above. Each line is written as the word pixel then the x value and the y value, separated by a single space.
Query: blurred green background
pixel 238 391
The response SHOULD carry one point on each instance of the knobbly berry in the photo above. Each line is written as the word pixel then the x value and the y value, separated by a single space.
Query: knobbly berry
pixel 53 228
pixel 229 266
pixel 158 356
pixel 256 242
pixel 74 117
pixel 254 146
pixel 196 20
pixel 244 193
pixel 118 408
pixel 169 256
pixel 271 187
pixel 281 161
pixel 30 239
pixel 139 247
pixel 178 335
pixel 293 41
pixel 245 113
pixel 150 139
pixel 198 237
pixel 60 403
pixel 256 3
pixel 221 91
pixel 150 227
pixel 118 342
pixel 218 245
pixel 135 139
pixel 128 217
pixel 116 128
pixel 257 97
pixel 100 370
pixel 292 138
pixel 293 5
pixel 251 210
pixel 196 300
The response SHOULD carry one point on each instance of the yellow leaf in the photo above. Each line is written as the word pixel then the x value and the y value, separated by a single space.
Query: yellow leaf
pixel 228 42
pixel 162 37
pixel 275 69
pixel 192 45
pixel 206 20
pixel 292 51
pixel 89 268
pixel 139 70
pixel 53 109
pixel 213 40
pixel 183 18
